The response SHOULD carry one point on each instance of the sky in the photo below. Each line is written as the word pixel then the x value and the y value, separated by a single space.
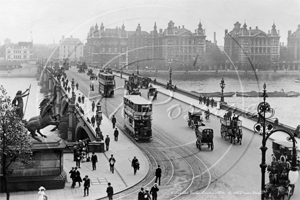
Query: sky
pixel 46 21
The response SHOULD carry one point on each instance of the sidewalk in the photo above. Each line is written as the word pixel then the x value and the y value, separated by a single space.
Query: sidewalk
pixel 123 178
pixel 246 123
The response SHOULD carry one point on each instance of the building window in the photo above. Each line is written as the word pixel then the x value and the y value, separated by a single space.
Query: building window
pixel 103 50
pixel 116 50
pixel 109 50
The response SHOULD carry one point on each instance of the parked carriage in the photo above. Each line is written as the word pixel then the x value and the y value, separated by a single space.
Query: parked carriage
pixel 152 92
pixel 195 119
pixel 280 186
pixel 231 129
pixel 204 135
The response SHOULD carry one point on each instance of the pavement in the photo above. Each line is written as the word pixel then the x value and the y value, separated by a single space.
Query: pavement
pixel 123 151
pixel 216 111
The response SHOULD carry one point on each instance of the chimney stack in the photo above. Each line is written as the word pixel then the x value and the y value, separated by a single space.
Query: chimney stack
pixel 289 33
pixel 160 30
pixel 63 37
pixel 71 36
pixel 215 41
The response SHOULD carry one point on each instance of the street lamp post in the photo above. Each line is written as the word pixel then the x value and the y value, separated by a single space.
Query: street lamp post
pixel 170 71
pixel 98 120
pixel 137 69
pixel 222 85
pixel 267 131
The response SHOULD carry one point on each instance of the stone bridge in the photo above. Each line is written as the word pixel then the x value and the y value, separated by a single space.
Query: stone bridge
pixel 73 125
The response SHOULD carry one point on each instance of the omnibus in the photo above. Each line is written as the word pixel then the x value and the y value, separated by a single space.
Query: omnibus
pixel 137 117
pixel 106 84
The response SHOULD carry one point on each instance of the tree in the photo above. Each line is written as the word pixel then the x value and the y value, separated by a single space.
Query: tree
pixel 14 141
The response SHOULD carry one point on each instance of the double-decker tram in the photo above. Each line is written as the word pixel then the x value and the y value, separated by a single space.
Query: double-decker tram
pixel 137 117
pixel 106 84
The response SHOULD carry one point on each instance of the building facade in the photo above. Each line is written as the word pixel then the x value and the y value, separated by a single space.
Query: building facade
pixel 120 48
pixel 293 44
pixel 21 52
pixel 259 46
pixel 71 48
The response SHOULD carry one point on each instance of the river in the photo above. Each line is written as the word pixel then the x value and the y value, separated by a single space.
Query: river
pixel 286 109
pixel 12 85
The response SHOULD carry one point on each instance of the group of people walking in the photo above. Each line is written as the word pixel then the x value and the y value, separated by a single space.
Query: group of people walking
pixel 145 194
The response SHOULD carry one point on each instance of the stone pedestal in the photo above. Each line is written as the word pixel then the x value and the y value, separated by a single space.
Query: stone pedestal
pixel 96 146
pixel 45 168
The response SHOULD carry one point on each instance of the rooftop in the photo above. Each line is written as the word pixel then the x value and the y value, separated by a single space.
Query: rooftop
pixel 136 99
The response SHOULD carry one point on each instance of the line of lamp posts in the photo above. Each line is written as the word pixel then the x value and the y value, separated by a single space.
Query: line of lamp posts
pixel 98 115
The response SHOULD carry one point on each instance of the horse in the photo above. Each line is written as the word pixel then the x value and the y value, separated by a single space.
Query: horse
pixel 45 119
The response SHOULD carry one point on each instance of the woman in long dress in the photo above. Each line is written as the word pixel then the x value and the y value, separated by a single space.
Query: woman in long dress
pixel 41 193
pixel 18 101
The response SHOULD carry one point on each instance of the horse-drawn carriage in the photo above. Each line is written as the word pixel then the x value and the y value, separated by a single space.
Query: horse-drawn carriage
pixel 195 119
pixel 232 129
pixel 204 135
pixel 152 92
pixel 280 186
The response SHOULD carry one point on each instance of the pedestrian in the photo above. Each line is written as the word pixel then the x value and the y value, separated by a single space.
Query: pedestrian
pixel 42 194
pixel 82 98
pixel 93 87
pixel 112 162
pixel 69 89
pixel 141 194
pixel 77 177
pixel 276 122
pixel 77 86
pixel 86 185
pixel 116 134
pixel 79 98
pixel 107 140
pixel 154 191
pixel 93 106
pixel 113 120
pixel 72 176
pixel 94 160
pixel 297 132
pixel 93 120
pixel 207 101
pixel 158 174
pixel 110 191
pixel 147 195
pixel 88 120
pixel 135 164
pixel 200 99
pixel 78 159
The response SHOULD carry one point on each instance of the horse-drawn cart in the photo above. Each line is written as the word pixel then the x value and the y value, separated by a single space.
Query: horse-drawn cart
pixel 280 185
pixel 231 129
pixel 152 92
pixel 195 119
pixel 204 135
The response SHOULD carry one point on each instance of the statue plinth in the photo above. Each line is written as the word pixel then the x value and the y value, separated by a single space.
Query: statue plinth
pixel 45 168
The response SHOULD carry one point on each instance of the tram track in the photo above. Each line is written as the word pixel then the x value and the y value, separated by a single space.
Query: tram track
pixel 183 171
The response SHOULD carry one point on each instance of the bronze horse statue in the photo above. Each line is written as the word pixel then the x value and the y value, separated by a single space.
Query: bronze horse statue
pixel 45 119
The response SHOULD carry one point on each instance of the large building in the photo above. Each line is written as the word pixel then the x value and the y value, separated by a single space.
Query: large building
pixel 259 46
pixel 21 52
pixel 71 48
pixel 294 44
pixel 118 47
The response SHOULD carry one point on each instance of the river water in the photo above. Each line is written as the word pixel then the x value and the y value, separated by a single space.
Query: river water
pixel 12 85
pixel 287 110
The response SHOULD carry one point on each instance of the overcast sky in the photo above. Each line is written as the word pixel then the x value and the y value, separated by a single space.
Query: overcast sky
pixel 48 20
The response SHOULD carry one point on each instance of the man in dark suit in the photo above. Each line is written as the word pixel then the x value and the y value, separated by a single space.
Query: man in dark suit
pixel 158 175
pixel 72 176
pixel 110 191
pixel 141 194
pixel 94 160
pixel 86 185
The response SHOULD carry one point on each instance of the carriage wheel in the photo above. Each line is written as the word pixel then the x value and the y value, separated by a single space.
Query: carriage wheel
pixel 200 144
pixel 212 146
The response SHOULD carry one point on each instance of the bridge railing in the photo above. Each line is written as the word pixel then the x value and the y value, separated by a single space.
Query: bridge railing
pixel 224 106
